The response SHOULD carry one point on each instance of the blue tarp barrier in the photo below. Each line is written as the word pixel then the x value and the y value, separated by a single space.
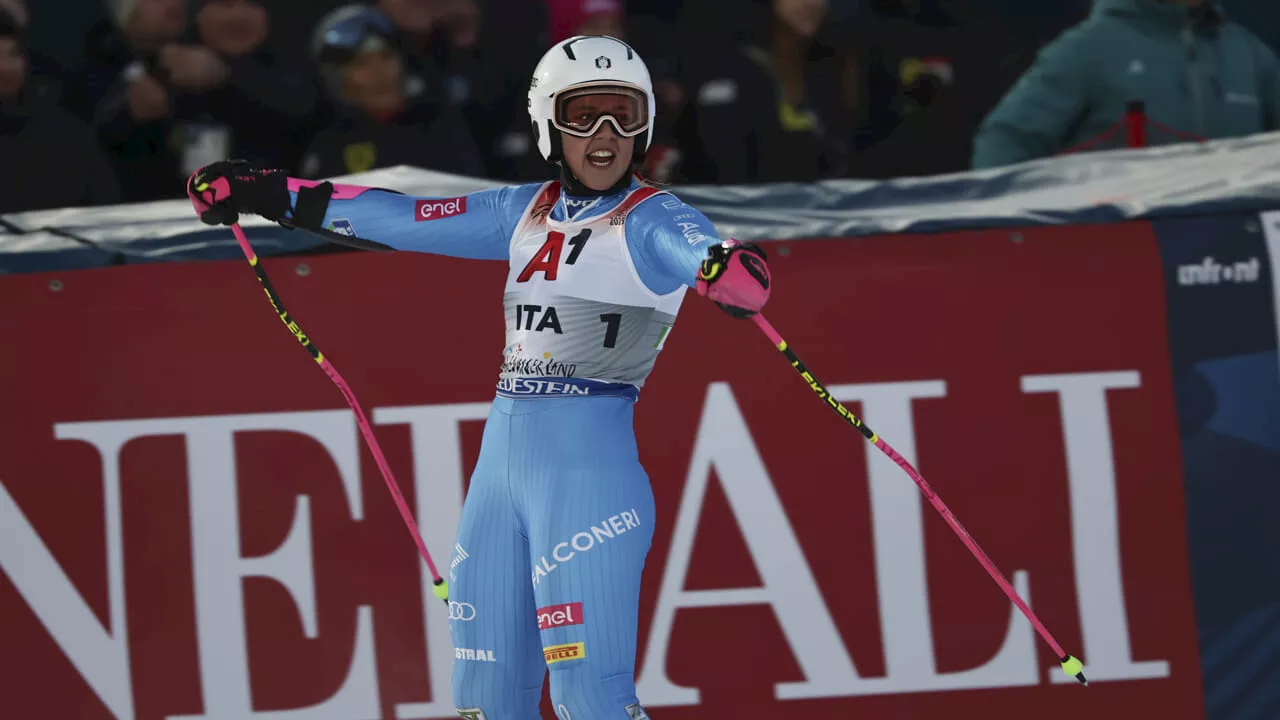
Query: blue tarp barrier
pixel 1239 175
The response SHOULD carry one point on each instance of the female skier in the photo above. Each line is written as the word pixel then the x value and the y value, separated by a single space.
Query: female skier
pixel 559 515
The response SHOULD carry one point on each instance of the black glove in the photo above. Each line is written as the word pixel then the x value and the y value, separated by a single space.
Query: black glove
pixel 221 191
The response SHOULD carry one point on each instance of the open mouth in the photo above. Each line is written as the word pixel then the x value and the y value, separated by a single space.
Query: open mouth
pixel 600 158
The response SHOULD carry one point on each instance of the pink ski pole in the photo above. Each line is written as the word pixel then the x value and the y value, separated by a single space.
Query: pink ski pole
pixel 441 588
pixel 1070 665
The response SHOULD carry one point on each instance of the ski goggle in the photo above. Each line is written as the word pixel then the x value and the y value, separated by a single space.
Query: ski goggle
pixel 346 40
pixel 582 111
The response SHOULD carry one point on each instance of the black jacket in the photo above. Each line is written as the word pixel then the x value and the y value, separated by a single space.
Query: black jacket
pixel 264 110
pixel 265 105
pixel 139 153
pixel 737 129
pixel 930 71
pixel 53 160
pixel 429 137
pixel 489 83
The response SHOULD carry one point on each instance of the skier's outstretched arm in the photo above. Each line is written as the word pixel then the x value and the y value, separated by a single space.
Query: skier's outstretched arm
pixel 477 225
pixel 668 240
pixel 672 245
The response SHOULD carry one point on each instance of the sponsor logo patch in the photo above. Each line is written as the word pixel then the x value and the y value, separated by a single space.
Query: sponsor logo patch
pixel 474 655
pixel 541 211
pixel 343 226
pixel 635 712
pixel 534 386
pixel 465 612
pixel 458 556
pixel 471 714
pixel 1211 272
pixel 436 209
pixel 692 232
pixel 554 616
pixel 584 541
pixel 561 653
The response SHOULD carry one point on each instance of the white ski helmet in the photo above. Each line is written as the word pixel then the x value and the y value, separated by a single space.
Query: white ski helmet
pixel 590 64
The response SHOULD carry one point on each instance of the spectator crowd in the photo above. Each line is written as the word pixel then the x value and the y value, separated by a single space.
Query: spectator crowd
pixel 749 91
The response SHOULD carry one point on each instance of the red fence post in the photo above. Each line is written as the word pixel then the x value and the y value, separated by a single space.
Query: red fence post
pixel 1135 118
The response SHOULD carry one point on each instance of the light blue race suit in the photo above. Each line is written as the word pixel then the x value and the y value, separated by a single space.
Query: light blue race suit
pixel 559 514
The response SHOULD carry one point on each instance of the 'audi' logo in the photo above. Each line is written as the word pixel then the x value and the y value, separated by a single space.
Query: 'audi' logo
pixel 461 611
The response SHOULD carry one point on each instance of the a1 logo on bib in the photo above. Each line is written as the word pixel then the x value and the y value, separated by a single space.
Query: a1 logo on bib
pixel 547 259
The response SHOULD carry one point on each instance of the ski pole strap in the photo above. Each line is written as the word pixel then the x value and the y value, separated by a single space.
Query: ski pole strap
pixel 312 204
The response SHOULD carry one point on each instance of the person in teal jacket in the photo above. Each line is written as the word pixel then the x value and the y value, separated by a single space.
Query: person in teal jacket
pixel 1195 72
